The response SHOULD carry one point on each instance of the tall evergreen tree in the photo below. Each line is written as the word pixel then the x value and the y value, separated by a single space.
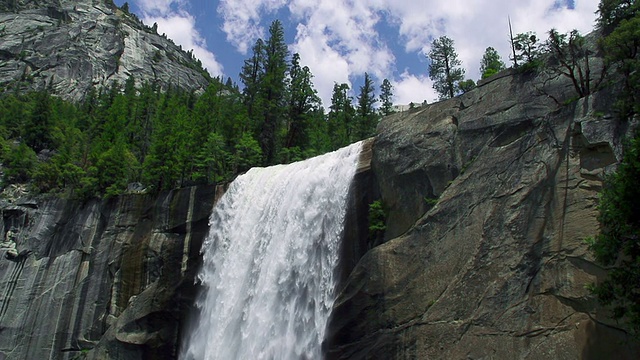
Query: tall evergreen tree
pixel 273 91
pixel 39 124
pixel 303 100
pixel 367 116
pixel 386 98
pixel 341 116
pixel 444 69
pixel 251 76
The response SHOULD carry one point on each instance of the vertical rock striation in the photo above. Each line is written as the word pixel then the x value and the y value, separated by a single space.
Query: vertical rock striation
pixel 102 279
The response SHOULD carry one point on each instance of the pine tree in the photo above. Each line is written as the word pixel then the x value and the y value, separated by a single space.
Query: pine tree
pixel 367 116
pixel 491 63
pixel 526 49
pixel 39 123
pixel 273 91
pixel 303 100
pixel 386 98
pixel 251 76
pixel 341 117
pixel 445 70
pixel 617 245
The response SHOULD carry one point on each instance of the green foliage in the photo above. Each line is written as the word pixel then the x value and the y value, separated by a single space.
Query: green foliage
pixel 19 162
pixel 136 132
pixel 248 153
pixel 377 220
pixel 116 168
pixel 386 98
pixel 491 63
pixel 466 85
pixel 569 56
pixel 272 92
pixel 622 49
pixel 212 160
pixel 618 243
pixel 431 201
pixel 444 69
pixel 612 12
pixel 367 117
pixel 38 126
pixel 157 56
pixel 341 118
pixel 303 101
pixel 526 51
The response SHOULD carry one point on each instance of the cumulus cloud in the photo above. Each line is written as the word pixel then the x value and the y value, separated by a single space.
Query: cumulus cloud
pixel 338 39
pixel 410 88
pixel 174 20
pixel 242 20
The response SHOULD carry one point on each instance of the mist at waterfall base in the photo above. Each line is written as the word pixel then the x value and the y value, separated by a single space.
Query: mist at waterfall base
pixel 270 259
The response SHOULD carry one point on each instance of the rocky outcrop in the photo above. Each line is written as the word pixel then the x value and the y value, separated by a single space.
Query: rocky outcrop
pixel 105 279
pixel 69 46
pixel 490 198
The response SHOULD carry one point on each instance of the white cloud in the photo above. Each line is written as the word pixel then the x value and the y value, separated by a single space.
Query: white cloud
pixel 158 7
pixel 338 39
pixel 411 88
pixel 327 65
pixel 180 26
pixel 242 20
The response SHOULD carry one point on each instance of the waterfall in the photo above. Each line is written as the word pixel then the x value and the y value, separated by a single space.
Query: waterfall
pixel 269 261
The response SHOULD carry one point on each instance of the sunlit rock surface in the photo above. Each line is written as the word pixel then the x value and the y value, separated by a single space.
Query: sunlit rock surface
pixel 490 198
pixel 67 47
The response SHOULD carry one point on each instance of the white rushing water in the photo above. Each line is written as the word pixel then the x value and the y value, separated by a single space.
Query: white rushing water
pixel 270 259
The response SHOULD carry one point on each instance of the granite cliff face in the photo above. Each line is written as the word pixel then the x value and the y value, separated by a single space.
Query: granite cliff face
pixel 490 197
pixel 101 280
pixel 70 46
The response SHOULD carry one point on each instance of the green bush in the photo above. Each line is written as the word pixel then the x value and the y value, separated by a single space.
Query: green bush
pixel 618 243
pixel 19 162
pixel 377 219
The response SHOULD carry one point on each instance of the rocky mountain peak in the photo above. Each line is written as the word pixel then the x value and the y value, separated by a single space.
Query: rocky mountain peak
pixel 69 46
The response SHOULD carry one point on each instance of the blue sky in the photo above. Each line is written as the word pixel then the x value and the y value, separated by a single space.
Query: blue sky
pixel 340 40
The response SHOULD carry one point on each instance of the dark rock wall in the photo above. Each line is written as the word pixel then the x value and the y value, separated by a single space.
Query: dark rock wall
pixel 491 196
pixel 111 279
pixel 363 192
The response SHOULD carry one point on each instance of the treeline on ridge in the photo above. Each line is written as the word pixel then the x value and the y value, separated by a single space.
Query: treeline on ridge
pixel 161 139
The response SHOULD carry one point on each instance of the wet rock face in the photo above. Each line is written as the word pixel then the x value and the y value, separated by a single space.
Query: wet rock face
pixel 111 279
pixel 491 196
pixel 69 46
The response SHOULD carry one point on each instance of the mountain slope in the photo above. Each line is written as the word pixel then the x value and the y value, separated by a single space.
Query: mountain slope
pixel 69 46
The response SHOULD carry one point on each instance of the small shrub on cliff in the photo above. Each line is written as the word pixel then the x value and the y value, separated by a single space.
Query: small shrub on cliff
pixel 491 63
pixel 377 220
pixel 526 51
